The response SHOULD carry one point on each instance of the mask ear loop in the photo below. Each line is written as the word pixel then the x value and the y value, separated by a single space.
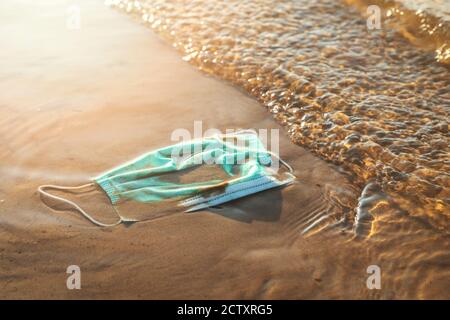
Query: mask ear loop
pixel 287 165
pixel 41 190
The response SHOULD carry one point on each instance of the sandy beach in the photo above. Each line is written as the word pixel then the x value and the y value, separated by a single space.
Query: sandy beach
pixel 74 103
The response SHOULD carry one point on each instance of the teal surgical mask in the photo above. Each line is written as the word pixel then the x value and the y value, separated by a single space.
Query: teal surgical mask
pixel 247 166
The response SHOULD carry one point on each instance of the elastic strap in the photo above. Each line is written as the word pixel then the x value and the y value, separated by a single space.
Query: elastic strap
pixel 42 190
pixel 291 170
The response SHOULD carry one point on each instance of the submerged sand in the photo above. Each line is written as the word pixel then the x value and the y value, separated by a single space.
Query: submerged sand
pixel 74 103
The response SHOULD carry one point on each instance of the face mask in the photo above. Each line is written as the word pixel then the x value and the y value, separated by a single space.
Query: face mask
pixel 248 166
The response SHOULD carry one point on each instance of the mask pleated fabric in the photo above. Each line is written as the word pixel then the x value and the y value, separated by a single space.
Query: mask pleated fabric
pixel 194 175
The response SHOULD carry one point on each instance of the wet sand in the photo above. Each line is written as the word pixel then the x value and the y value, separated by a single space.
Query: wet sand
pixel 74 103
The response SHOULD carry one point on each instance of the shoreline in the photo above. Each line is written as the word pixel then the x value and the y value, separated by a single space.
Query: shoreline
pixel 75 103
pixel 140 100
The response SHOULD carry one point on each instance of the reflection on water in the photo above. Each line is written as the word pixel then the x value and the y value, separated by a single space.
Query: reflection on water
pixel 364 99
pixel 425 23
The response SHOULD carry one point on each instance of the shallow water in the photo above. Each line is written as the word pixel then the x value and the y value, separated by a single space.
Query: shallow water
pixel 374 102
pixel 76 103
pixel 364 99
pixel 426 23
